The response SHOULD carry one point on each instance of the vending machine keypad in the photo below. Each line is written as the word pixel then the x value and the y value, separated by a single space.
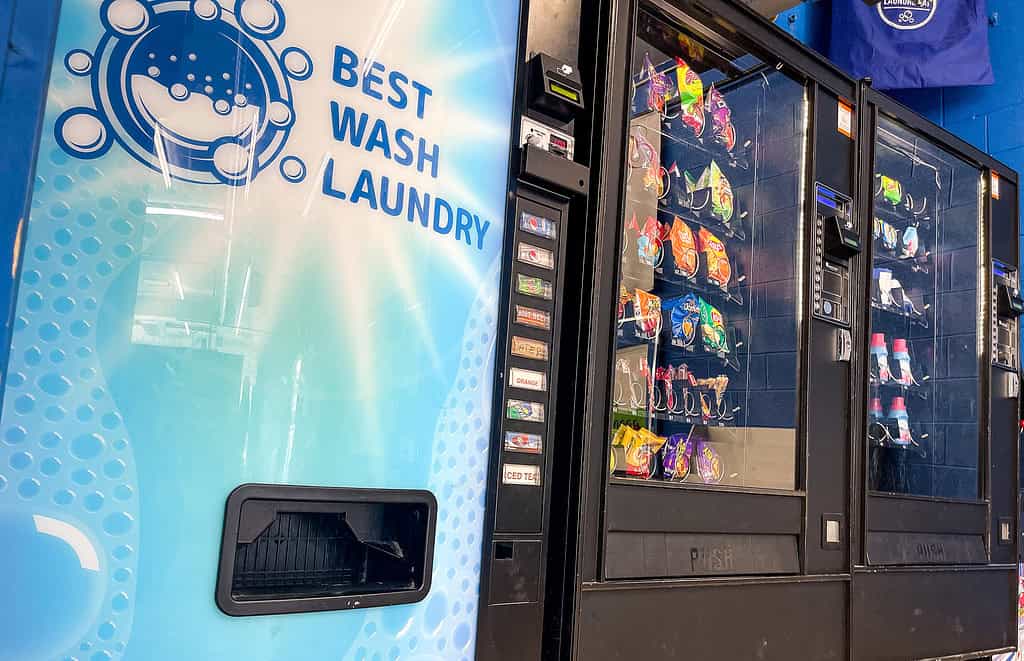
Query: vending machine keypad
pixel 834 243
pixel 1007 305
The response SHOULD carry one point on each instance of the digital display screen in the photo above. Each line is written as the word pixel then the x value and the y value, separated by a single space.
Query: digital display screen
pixel 564 91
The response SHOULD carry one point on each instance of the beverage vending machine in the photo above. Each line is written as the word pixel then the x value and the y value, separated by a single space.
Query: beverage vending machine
pixel 935 493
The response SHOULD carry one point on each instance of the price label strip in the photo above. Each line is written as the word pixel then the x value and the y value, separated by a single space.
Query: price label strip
pixel 538 226
pixel 541 257
pixel 527 379
pixel 519 442
pixel 533 317
pixel 527 348
pixel 536 287
pixel 521 474
pixel 518 409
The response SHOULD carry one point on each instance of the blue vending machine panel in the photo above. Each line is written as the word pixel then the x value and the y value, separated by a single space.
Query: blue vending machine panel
pixel 264 247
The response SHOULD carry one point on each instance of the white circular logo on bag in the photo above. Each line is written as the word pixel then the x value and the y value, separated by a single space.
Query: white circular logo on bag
pixel 907 14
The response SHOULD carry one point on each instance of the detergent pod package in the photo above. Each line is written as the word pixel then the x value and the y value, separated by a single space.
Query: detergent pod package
pixel 712 327
pixel 675 457
pixel 890 190
pixel 647 314
pixel 691 97
pixel 909 243
pixel 880 358
pixel 685 320
pixel 715 258
pixel 901 355
pixel 890 235
pixel 684 248
pixel 721 120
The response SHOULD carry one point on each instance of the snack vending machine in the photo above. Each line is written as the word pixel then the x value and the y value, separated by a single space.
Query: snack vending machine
pixel 935 570
pixel 713 502
pixel 247 409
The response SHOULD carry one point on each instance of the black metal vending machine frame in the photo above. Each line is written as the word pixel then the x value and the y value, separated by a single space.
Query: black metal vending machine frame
pixel 666 570
pixel 934 553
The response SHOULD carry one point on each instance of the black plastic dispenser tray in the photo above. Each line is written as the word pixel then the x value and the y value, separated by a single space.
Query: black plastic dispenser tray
pixel 289 549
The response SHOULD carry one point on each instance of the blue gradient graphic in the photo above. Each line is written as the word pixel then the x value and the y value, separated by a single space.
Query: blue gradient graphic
pixel 175 339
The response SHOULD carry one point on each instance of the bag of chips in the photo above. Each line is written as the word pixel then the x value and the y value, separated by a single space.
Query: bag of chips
pixel 712 327
pixel 715 258
pixel 691 97
pixel 721 119
pixel 675 457
pixel 684 248
pixel 891 190
pixel 685 320
pixel 719 192
pixel 658 88
pixel 647 311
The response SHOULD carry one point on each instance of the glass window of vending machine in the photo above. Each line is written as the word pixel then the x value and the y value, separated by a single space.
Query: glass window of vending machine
pixel 710 481
pixel 940 383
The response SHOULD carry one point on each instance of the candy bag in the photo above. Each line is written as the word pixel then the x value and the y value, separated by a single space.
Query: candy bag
pixel 691 97
pixel 675 457
pixel 721 119
pixel 685 320
pixel 717 261
pixel 647 311
pixel 713 328
pixel 641 453
pixel 709 463
pixel 684 248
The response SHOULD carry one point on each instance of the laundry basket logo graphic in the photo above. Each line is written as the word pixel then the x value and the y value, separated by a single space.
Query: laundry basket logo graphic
pixel 189 88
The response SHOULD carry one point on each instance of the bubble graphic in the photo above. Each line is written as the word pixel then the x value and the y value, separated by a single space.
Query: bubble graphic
pixel 280 114
pixel 78 62
pixel 129 17
pixel 29 488
pixel 120 602
pixel 179 92
pixel 231 159
pixel 293 169
pixel 20 461
pixel 64 497
pixel 118 523
pixel 263 18
pixel 297 63
pixel 153 71
pixel 93 502
pixel 50 466
pixel 81 133
pixel 87 446
pixel 220 106
pixel 208 10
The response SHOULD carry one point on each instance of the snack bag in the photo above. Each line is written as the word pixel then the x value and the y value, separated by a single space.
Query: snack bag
pixel 712 327
pixel 709 463
pixel 685 320
pixel 647 312
pixel 691 97
pixel 675 457
pixel 723 202
pixel 641 453
pixel 648 240
pixel 717 261
pixel 721 119
pixel 892 190
pixel 684 248
pixel 658 89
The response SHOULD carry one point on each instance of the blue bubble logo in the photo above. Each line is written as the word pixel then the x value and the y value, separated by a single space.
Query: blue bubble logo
pixel 189 88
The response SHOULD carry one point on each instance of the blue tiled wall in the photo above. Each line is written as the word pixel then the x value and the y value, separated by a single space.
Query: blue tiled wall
pixel 990 117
